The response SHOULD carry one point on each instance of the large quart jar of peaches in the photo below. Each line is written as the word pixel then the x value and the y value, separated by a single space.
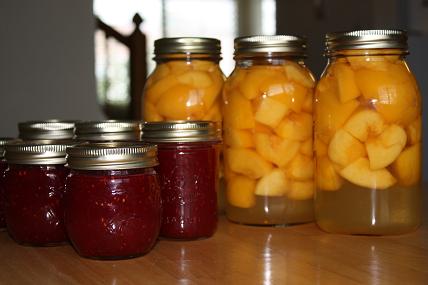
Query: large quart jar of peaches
pixel 267 121
pixel 368 136
pixel 187 81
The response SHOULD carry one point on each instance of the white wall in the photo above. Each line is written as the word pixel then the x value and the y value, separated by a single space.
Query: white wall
pixel 46 62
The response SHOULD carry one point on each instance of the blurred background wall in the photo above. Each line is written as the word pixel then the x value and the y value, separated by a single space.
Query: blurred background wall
pixel 46 62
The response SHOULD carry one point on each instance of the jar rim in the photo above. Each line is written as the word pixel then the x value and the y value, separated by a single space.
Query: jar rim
pixel 108 130
pixel 47 129
pixel 3 142
pixel 187 45
pixel 181 131
pixel 288 44
pixel 36 153
pixel 366 39
pixel 111 155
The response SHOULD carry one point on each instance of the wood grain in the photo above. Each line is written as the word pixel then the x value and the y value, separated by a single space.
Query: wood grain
pixel 237 254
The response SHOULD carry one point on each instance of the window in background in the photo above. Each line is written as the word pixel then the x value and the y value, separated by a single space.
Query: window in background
pixel 165 18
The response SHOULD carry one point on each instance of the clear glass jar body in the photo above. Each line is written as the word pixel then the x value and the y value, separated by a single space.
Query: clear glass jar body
pixel 184 87
pixel 368 144
pixel 188 173
pixel 112 214
pixel 267 115
pixel 34 203
pixel 3 167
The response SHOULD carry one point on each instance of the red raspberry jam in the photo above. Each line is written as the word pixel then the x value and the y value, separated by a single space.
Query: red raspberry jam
pixel 34 194
pixel 188 154
pixel 3 166
pixel 112 213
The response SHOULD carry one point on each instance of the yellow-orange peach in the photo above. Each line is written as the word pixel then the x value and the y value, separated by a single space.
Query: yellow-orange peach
pixel 407 167
pixel 240 191
pixel 326 176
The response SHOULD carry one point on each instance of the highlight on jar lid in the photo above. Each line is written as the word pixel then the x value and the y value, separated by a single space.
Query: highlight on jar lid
pixel 186 45
pixel 3 142
pixel 366 39
pixel 46 130
pixel 181 131
pixel 111 156
pixel 294 45
pixel 36 153
pixel 108 130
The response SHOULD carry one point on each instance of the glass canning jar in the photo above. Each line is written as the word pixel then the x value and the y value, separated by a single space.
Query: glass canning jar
pixel 368 136
pixel 3 167
pixel 267 128
pixel 33 190
pixel 112 203
pixel 108 130
pixel 187 81
pixel 188 171
pixel 46 131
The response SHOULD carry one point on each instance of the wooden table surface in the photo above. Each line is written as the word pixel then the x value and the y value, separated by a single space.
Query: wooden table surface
pixel 236 254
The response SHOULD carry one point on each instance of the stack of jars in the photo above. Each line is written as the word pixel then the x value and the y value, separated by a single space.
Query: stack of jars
pixel 345 151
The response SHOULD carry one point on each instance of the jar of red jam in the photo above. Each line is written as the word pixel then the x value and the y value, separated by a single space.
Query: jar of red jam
pixel 46 131
pixel 188 154
pixel 3 167
pixel 34 187
pixel 108 130
pixel 113 206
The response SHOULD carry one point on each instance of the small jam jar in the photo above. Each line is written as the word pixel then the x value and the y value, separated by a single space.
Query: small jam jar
pixel 3 167
pixel 46 131
pixel 34 185
pixel 188 171
pixel 267 124
pixel 187 81
pixel 368 136
pixel 113 204
pixel 108 130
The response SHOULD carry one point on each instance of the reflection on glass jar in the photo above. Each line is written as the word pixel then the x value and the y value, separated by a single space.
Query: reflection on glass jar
pixel 268 132
pixel 34 190
pixel 187 81
pixel 368 136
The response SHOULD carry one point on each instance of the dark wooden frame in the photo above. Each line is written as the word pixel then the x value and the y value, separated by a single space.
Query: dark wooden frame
pixel 136 43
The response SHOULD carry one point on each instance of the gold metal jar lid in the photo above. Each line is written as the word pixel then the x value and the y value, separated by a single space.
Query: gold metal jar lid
pixel 109 130
pixel 36 153
pixel 294 45
pixel 3 142
pixel 186 45
pixel 111 156
pixel 181 131
pixel 366 39
pixel 46 130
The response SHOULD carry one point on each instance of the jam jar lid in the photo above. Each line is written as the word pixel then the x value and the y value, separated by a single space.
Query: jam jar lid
pixel 3 142
pixel 291 44
pixel 36 153
pixel 46 130
pixel 111 156
pixel 187 45
pixel 366 39
pixel 108 130
pixel 181 131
